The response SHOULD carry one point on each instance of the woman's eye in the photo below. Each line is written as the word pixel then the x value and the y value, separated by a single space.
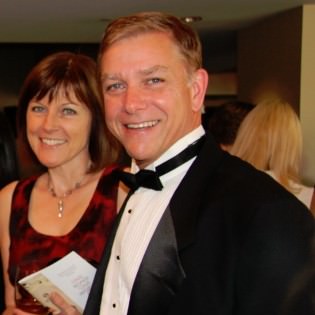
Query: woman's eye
pixel 37 109
pixel 68 111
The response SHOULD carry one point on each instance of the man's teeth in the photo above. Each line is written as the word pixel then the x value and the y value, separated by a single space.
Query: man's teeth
pixel 145 124
pixel 53 141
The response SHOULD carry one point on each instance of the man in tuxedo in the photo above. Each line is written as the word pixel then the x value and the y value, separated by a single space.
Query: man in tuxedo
pixel 210 234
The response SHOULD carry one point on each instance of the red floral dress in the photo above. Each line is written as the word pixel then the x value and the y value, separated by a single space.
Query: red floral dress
pixel 88 237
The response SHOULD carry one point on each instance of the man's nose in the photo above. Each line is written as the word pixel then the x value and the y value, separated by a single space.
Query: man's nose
pixel 134 99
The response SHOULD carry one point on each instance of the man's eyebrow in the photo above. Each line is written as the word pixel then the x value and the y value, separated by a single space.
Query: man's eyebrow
pixel 153 69
pixel 147 71
pixel 107 76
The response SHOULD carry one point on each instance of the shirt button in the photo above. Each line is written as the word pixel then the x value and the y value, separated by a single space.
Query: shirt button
pixel 118 257
pixel 129 211
pixel 114 305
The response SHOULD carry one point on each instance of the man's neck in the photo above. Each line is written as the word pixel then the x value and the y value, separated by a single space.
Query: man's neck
pixel 174 149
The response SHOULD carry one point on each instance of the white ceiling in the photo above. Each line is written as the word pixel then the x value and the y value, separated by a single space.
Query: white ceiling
pixel 83 21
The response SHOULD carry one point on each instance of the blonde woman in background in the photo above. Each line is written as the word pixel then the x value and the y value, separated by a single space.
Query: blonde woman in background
pixel 270 138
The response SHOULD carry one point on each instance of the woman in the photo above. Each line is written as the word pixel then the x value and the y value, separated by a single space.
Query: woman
pixel 72 204
pixel 270 138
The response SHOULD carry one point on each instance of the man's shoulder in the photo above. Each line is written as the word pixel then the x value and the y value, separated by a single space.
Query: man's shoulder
pixel 240 182
pixel 245 196
pixel 231 182
pixel 228 171
pixel 238 173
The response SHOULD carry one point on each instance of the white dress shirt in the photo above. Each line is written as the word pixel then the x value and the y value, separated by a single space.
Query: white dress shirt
pixel 143 212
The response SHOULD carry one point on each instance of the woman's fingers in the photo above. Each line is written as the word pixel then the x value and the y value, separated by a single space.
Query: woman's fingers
pixel 65 307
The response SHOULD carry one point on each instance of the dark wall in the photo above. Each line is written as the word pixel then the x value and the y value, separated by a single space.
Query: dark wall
pixel 219 51
pixel 16 60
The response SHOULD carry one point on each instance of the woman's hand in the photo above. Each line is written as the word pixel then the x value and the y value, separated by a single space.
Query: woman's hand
pixel 66 308
pixel 12 310
pixel 57 299
pixel 17 311
pixel 8 310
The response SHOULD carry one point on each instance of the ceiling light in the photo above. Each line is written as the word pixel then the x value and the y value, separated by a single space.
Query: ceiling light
pixel 191 19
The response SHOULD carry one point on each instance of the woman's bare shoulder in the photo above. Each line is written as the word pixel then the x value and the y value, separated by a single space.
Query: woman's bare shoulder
pixel 7 191
pixel 5 198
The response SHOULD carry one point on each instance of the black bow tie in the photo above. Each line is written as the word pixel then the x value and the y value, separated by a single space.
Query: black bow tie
pixel 151 179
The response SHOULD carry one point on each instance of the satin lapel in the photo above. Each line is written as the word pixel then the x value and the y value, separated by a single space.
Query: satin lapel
pixel 185 204
pixel 160 274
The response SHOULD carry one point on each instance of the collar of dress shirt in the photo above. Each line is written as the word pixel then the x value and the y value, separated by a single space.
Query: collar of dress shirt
pixel 177 147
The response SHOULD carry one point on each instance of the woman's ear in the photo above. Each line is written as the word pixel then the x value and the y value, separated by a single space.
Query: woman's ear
pixel 199 88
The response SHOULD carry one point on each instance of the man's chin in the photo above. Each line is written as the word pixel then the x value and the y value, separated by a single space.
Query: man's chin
pixel 142 160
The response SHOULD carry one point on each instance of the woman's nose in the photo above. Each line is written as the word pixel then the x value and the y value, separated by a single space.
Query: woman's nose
pixel 51 121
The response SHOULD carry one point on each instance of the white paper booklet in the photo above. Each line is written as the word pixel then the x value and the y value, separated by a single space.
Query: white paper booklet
pixel 71 277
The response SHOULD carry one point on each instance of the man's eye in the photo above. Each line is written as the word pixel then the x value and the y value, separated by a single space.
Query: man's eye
pixel 114 87
pixel 155 80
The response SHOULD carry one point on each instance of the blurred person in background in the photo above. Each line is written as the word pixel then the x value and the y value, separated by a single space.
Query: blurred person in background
pixel 9 170
pixel 270 138
pixel 225 120
pixel 8 155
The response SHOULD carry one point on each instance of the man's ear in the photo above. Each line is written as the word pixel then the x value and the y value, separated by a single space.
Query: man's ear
pixel 199 88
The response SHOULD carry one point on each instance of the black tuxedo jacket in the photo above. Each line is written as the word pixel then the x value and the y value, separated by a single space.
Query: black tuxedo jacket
pixel 241 240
